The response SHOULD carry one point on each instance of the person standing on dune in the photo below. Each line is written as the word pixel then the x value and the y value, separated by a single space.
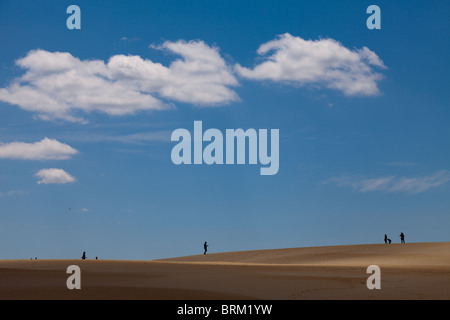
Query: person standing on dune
pixel 205 246
pixel 402 237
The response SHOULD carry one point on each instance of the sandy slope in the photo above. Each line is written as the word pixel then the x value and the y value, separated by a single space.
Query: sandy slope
pixel 408 271
pixel 411 254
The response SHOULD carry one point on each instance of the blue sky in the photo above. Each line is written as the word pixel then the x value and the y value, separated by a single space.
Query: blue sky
pixel 86 118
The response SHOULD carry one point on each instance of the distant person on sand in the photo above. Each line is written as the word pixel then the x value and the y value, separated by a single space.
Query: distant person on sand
pixel 386 239
pixel 84 255
pixel 206 247
pixel 402 237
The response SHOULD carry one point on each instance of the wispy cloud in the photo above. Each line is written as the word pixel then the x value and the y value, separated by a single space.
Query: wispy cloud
pixel 323 62
pixel 128 39
pixel 401 164
pixel 409 185
pixel 144 137
pixel 54 176
pixel 132 138
pixel 46 149
pixel 11 193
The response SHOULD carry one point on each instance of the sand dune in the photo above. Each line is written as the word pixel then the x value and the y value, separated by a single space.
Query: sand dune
pixel 408 271
pixel 411 254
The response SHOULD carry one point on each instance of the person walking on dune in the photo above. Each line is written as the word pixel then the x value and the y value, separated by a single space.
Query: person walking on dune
pixel 402 237
pixel 205 246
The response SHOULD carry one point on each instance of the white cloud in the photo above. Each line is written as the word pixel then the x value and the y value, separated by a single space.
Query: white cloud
pixel 201 77
pixel 54 176
pixel 321 62
pixel 46 149
pixel 392 183
pixel 57 85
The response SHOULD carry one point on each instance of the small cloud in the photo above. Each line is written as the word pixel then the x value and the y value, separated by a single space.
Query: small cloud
pixel 54 176
pixel 127 39
pixel 391 184
pixel 46 149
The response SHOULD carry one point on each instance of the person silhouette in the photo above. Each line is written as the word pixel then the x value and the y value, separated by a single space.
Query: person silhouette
pixel 386 239
pixel 206 247
pixel 402 237
pixel 84 255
